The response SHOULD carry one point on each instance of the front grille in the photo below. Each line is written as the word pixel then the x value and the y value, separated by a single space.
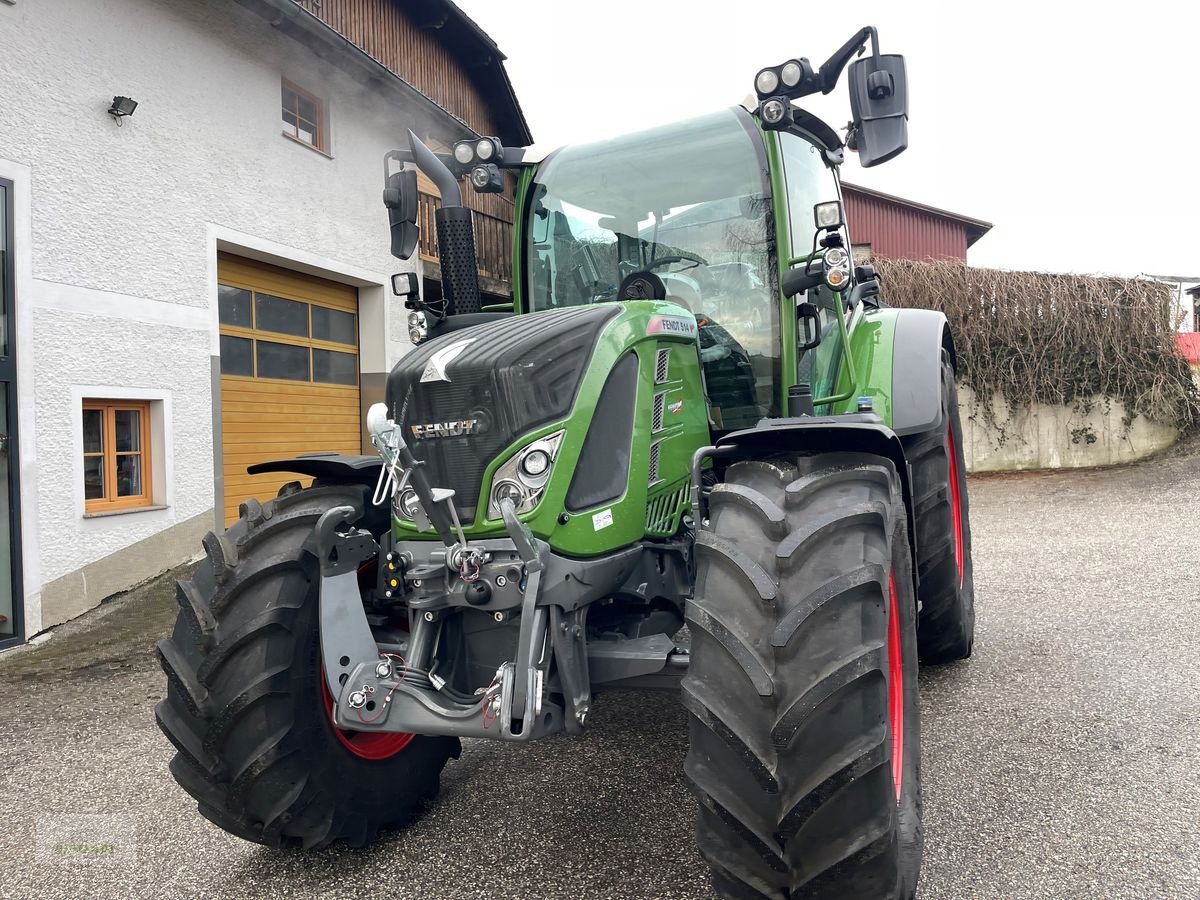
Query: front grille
pixel 652 476
pixel 662 513
pixel 660 403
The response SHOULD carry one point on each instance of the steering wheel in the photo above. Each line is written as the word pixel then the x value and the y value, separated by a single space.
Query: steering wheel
pixel 667 260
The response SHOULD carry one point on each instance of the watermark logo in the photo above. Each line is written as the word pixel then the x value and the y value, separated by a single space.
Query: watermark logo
pixel 94 839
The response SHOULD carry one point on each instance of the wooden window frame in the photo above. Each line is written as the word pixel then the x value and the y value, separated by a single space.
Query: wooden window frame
pixel 110 502
pixel 321 126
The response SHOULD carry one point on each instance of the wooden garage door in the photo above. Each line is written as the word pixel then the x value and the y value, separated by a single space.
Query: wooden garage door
pixel 289 372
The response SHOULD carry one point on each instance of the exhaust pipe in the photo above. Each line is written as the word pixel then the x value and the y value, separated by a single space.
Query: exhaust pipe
pixel 455 234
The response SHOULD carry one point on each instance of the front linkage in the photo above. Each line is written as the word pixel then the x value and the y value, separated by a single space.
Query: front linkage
pixel 384 687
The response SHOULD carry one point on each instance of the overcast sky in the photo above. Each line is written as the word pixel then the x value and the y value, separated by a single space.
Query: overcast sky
pixel 1073 128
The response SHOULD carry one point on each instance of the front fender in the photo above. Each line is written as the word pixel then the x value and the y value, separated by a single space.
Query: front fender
pixel 343 468
pixel 852 433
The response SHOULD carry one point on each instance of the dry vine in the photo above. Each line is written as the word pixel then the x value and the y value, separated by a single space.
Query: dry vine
pixel 1056 339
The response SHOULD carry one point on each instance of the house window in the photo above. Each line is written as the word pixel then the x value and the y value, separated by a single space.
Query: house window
pixel 116 455
pixel 304 118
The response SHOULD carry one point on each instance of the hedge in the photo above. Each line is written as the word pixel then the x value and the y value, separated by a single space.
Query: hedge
pixel 1056 339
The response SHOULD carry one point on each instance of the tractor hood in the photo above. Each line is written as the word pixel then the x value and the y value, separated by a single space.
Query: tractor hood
pixel 466 396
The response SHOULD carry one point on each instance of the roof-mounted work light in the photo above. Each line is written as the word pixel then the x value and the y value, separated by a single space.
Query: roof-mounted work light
pixel 479 150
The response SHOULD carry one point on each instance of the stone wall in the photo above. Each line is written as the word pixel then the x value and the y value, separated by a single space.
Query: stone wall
pixel 1052 437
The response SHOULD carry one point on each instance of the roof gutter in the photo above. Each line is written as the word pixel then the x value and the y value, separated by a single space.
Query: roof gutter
pixel 297 23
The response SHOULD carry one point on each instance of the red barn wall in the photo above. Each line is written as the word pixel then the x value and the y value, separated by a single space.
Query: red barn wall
pixel 901 232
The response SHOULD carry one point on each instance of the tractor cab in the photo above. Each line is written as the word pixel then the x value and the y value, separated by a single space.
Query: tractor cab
pixel 731 215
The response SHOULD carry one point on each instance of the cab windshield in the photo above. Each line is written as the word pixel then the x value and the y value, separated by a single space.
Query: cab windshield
pixel 690 203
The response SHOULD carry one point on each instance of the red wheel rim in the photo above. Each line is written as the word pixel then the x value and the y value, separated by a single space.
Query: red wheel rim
pixel 373 745
pixel 895 687
pixel 955 501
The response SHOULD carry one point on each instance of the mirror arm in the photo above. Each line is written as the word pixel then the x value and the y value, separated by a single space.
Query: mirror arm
pixel 831 69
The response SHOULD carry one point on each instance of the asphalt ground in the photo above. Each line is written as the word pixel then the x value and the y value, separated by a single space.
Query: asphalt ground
pixel 1061 761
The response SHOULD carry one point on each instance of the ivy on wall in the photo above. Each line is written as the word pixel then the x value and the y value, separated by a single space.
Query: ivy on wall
pixel 1056 339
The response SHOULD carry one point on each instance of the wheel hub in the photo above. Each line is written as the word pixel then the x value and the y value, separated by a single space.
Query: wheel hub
pixel 372 745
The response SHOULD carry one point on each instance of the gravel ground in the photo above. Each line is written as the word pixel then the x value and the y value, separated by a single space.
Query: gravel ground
pixel 1060 761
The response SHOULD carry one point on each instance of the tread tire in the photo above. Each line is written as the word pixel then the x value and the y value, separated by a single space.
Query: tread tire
pixel 946 625
pixel 244 707
pixel 787 694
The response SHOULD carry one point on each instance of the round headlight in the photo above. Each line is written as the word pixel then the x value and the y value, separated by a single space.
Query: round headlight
pixel 485 150
pixel 836 258
pixel 508 490
pixel 773 110
pixel 790 74
pixel 535 463
pixel 480 177
pixel 767 81
pixel 463 153
pixel 407 504
pixel 418 327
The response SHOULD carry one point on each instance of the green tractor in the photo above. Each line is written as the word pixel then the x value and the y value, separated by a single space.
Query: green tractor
pixel 697 453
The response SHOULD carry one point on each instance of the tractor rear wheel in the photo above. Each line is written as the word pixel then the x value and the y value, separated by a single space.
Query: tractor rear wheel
pixel 802 693
pixel 246 705
pixel 946 588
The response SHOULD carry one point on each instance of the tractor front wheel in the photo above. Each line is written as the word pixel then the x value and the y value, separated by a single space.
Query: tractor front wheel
pixel 802 693
pixel 247 708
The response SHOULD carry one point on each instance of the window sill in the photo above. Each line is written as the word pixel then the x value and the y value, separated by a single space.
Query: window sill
pixel 123 512
pixel 296 140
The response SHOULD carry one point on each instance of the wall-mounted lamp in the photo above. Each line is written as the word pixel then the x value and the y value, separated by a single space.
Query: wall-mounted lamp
pixel 122 107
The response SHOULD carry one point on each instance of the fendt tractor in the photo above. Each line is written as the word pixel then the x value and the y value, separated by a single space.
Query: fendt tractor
pixel 696 453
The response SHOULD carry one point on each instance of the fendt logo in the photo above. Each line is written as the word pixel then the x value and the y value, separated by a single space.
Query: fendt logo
pixel 444 429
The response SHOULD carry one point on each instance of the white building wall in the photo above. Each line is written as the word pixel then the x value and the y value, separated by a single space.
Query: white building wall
pixel 119 287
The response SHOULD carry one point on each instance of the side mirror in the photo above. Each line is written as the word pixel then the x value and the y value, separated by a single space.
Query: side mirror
pixel 405 284
pixel 808 326
pixel 879 104
pixel 400 198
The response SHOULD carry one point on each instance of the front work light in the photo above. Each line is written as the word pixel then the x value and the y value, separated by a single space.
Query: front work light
pixel 766 82
pixel 464 153
pixel 480 150
pixel 828 215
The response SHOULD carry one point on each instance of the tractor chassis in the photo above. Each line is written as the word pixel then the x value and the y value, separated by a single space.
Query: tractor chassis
pixel 381 686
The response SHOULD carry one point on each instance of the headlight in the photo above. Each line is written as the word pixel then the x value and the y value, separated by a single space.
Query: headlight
pixel 464 153
pixel 418 327
pixel 406 504
pixel 774 110
pixel 837 268
pixel 766 82
pixel 523 478
pixel 508 490
pixel 536 462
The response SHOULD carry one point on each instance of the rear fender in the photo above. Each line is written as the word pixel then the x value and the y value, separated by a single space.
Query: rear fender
pixel 853 433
